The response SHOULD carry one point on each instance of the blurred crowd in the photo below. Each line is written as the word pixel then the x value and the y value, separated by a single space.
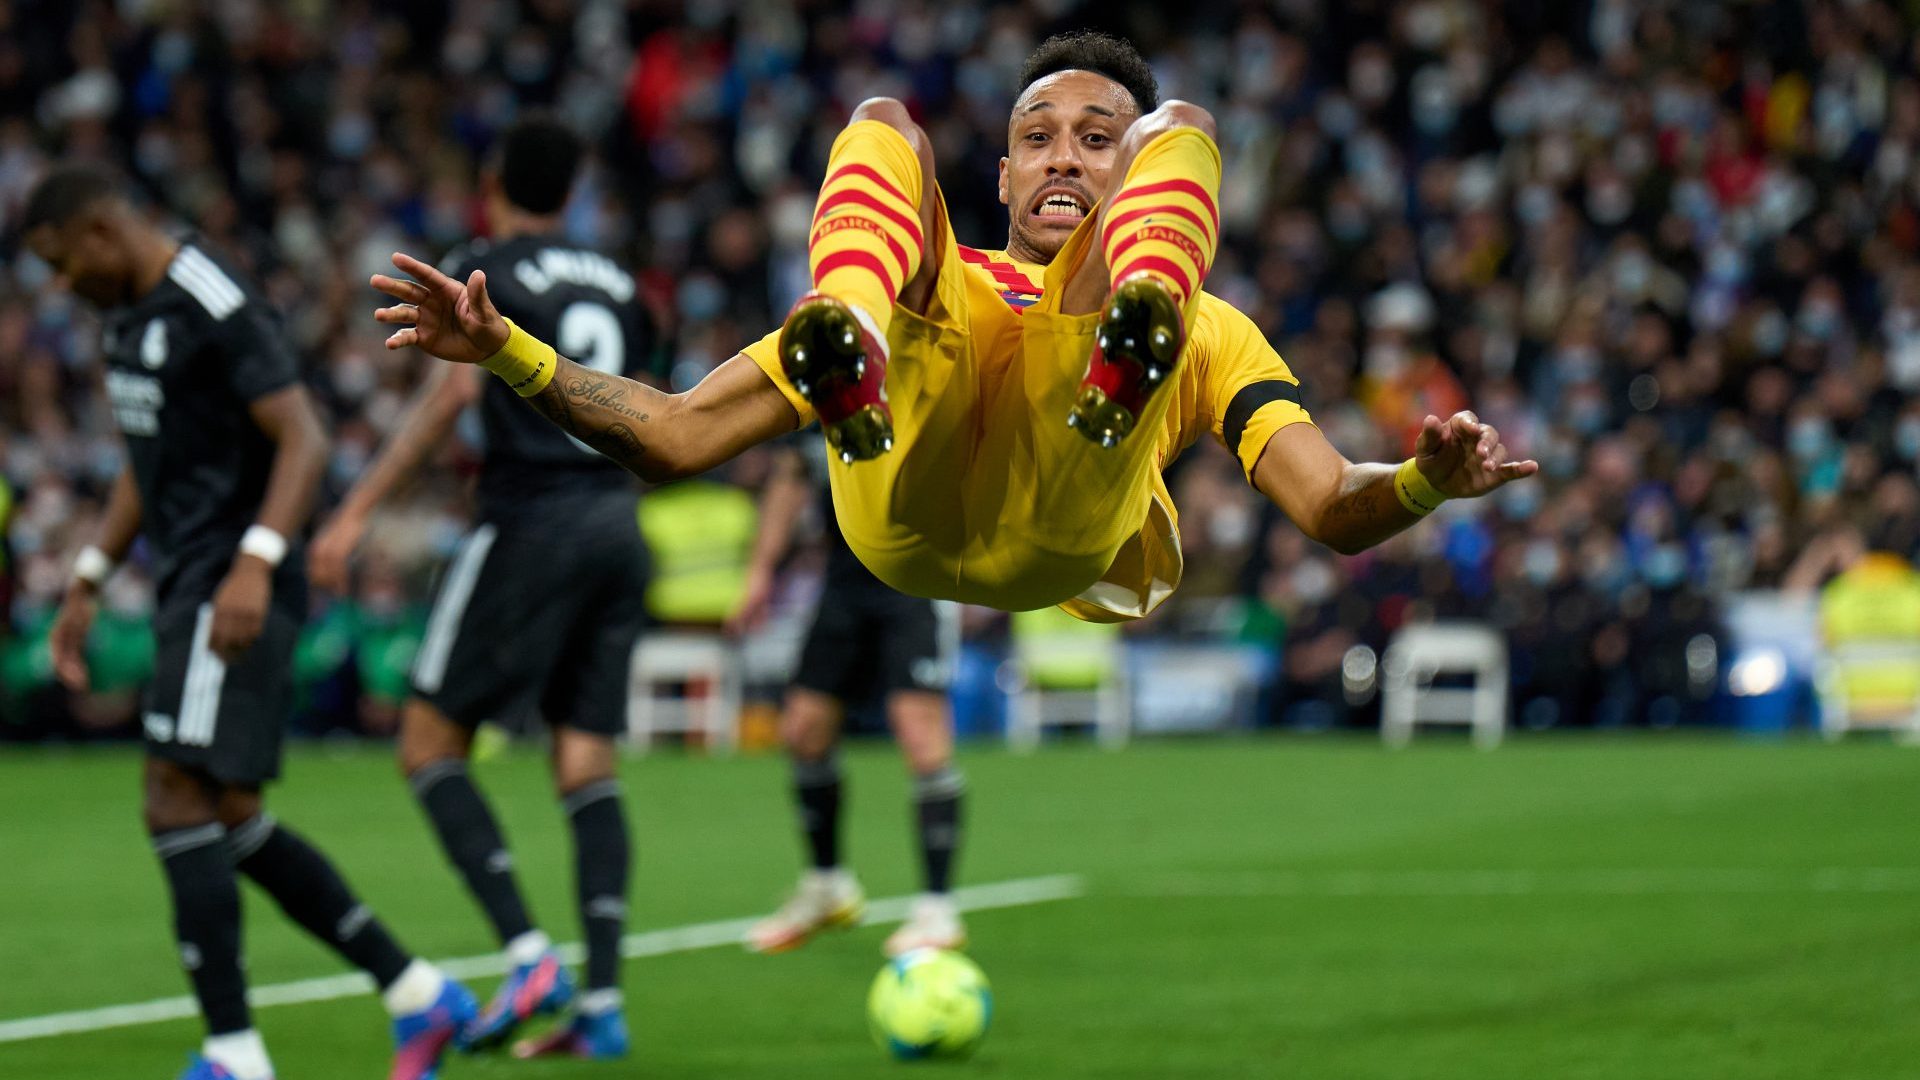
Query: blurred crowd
pixel 1671 249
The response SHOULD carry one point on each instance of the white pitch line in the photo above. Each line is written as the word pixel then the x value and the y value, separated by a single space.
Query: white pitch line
pixel 1002 894
pixel 1644 881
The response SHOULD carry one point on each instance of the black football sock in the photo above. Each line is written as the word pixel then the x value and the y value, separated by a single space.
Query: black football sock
pixel 206 922
pixel 313 894
pixel 936 799
pixel 816 786
pixel 601 860
pixel 471 839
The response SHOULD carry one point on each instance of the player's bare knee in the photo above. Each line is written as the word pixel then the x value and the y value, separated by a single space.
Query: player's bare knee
pixel 808 737
pixel 238 805
pixel 921 727
pixel 894 114
pixel 809 724
pixel 581 759
pixel 925 742
pixel 927 756
pixel 1171 115
pixel 416 755
pixel 173 798
pixel 427 736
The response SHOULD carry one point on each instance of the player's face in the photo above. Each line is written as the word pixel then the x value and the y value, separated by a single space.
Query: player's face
pixel 86 254
pixel 1061 145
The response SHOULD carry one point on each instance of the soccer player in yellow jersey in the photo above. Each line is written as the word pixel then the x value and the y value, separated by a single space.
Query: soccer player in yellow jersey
pixel 1001 419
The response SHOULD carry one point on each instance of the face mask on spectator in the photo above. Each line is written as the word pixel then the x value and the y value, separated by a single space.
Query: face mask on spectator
pixel 1347 221
pixel 1906 438
pixel 1386 360
pixel 1535 204
pixel 1819 320
pixel 1808 438
pixel 1770 334
pixel 1312 581
pixel 1588 414
pixel 348 462
pixel 353 377
pixel 1577 363
pixel 1606 573
pixel 1519 502
pixel 1630 273
pixel 1562 457
pixel 1232 527
pixel 792 216
pixel 1726 265
pixel 701 298
pixel 349 136
pixel 1542 562
pixel 1666 565
pixel 1903 364
pixel 1609 202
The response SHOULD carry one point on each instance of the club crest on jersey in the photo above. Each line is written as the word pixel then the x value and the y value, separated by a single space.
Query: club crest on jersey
pixel 153 345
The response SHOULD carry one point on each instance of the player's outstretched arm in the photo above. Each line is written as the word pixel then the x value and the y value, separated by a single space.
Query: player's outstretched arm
pixel 1351 507
pixel 429 419
pixel 655 435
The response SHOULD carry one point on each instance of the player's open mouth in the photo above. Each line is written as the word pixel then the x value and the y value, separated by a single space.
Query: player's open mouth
pixel 1061 204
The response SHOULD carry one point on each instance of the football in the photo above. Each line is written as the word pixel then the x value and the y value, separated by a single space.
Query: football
pixel 930 1003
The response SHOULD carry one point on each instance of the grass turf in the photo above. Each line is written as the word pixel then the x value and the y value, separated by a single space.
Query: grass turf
pixel 1568 907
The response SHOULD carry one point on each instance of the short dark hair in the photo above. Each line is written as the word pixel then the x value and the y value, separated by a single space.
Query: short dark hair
pixel 539 157
pixel 1102 54
pixel 63 193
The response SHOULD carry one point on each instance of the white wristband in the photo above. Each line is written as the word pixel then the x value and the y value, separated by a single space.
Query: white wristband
pixel 264 544
pixel 92 566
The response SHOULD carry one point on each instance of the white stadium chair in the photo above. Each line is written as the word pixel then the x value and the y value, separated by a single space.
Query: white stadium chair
pixel 1420 653
pixel 1064 673
pixel 1869 684
pixel 673 659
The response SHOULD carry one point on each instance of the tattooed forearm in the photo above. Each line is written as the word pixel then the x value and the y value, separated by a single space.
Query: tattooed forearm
pixel 603 393
pixel 1360 507
pixel 604 412
pixel 1363 512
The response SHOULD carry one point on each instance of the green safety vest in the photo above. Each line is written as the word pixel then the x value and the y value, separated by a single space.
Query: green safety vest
pixel 701 535
pixel 1876 600
pixel 1063 653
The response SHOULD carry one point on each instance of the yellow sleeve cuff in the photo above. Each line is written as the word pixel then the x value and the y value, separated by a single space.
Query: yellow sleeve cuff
pixel 525 362
pixel 765 355
pixel 1261 427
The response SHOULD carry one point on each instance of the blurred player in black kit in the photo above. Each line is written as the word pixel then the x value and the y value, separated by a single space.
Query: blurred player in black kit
pixel 868 643
pixel 555 565
pixel 224 453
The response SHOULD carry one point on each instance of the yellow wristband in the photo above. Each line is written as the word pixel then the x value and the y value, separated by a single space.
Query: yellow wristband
pixel 1416 492
pixel 525 362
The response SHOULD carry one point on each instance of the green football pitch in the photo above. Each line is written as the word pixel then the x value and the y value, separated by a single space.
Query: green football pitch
pixel 1565 907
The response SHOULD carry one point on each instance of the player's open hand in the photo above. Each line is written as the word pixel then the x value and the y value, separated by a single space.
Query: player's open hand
pixel 240 608
pixel 1464 458
pixel 67 642
pixel 452 321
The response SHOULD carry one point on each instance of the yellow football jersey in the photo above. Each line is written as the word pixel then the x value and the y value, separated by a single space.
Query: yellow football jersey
pixel 1230 382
